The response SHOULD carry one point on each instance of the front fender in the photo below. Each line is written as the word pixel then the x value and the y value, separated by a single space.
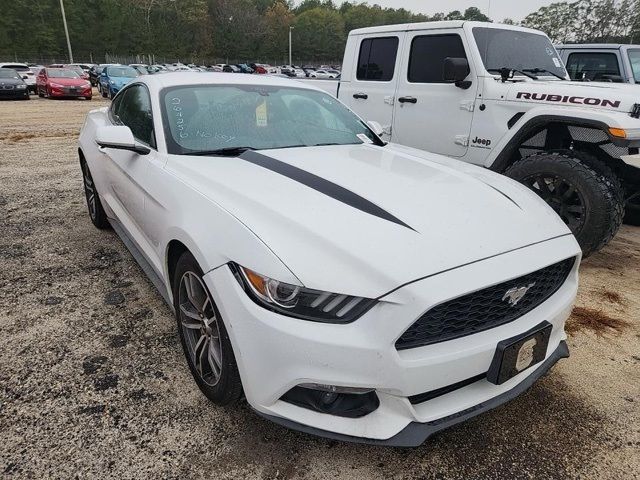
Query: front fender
pixel 500 156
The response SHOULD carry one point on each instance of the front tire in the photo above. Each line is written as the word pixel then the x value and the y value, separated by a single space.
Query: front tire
pixel 94 205
pixel 203 335
pixel 590 203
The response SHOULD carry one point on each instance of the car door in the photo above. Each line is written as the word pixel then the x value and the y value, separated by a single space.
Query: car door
pixel 370 93
pixel 41 81
pixel 429 113
pixel 128 172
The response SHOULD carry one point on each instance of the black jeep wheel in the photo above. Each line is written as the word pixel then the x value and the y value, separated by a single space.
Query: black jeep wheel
pixel 589 202
pixel 203 335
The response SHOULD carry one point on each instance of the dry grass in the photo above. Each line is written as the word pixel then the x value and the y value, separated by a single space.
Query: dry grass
pixel 17 137
pixel 593 320
pixel 612 297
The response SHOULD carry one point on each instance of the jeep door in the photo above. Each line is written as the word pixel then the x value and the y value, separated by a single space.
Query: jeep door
pixel 370 91
pixel 429 113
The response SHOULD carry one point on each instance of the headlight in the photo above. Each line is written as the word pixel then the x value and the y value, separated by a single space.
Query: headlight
pixel 300 302
pixel 112 82
pixel 56 85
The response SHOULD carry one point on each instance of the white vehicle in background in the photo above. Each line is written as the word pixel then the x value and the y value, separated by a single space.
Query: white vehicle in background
pixel 322 74
pixel 25 72
pixel 499 96
pixel 350 288
pixel 618 63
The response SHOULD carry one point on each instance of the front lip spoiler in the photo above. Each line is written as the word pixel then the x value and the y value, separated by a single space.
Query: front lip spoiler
pixel 416 433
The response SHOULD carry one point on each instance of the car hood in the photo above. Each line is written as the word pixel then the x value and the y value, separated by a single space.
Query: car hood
pixel 619 97
pixel 121 80
pixel 11 81
pixel 363 219
pixel 70 82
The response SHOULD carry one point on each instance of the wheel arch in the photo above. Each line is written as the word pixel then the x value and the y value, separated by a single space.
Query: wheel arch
pixel 558 124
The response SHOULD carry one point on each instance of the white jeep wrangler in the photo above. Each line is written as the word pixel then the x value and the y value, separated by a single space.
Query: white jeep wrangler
pixel 499 96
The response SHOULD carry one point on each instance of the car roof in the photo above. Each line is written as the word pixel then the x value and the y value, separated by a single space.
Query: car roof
pixel 595 46
pixel 404 27
pixel 13 65
pixel 173 79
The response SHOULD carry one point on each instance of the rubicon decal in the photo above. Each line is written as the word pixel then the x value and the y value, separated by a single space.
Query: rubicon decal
pixel 591 101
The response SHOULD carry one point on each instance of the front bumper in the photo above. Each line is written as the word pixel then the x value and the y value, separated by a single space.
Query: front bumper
pixel 13 92
pixel 69 92
pixel 276 353
pixel 416 433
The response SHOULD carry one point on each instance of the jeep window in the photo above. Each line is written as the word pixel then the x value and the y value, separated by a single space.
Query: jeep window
pixel 377 59
pixel 515 49
pixel 634 60
pixel 594 67
pixel 426 59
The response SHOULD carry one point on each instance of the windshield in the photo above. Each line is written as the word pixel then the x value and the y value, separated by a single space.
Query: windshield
pixel 634 59
pixel 62 73
pixel 513 49
pixel 212 117
pixel 127 72
pixel 75 68
pixel 9 73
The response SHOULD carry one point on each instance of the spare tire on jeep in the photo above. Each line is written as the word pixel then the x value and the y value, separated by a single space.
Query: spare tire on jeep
pixel 582 190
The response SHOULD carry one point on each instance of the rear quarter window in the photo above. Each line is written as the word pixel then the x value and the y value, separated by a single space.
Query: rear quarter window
pixel 377 59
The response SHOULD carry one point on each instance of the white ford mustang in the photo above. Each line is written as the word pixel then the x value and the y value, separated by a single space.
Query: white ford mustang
pixel 350 288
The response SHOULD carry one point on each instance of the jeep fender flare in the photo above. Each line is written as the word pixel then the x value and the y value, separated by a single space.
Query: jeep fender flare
pixel 535 119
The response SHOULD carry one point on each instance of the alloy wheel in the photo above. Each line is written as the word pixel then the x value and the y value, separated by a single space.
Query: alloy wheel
pixel 199 324
pixel 561 195
pixel 89 191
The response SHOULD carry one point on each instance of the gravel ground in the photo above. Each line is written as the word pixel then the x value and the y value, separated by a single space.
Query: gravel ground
pixel 93 383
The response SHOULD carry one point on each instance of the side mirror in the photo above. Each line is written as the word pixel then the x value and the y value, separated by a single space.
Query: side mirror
pixel 376 127
pixel 119 137
pixel 455 71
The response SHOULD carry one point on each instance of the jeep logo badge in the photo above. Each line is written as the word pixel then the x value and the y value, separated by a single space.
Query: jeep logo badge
pixel 515 294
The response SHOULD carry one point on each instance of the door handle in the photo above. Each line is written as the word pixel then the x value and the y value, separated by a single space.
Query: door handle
pixel 408 100
pixel 363 96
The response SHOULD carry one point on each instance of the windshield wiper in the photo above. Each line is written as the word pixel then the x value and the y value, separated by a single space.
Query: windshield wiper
pixel 507 73
pixel 222 152
pixel 543 70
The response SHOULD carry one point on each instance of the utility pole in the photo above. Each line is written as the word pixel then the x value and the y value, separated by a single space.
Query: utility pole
pixel 66 31
pixel 290 60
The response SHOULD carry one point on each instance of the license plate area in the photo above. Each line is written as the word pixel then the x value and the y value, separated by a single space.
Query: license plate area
pixel 516 354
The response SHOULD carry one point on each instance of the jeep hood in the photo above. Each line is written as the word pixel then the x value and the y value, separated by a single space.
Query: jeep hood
pixel 618 97
pixel 363 219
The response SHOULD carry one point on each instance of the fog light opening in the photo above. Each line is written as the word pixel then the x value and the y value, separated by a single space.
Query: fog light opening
pixel 349 402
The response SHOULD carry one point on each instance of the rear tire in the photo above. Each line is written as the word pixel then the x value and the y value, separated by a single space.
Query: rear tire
pixel 203 335
pixel 591 203
pixel 94 205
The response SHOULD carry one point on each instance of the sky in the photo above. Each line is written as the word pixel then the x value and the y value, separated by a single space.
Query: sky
pixel 500 9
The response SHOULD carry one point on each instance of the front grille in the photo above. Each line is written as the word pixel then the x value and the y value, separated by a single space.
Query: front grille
pixel 484 309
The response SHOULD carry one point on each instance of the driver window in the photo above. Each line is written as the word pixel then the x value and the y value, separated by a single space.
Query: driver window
pixel 134 110
pixel 426 59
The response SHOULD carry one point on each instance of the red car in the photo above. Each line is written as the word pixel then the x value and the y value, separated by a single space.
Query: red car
pixel 62 82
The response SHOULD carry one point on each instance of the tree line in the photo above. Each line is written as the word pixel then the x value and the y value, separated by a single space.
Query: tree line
pixel 205 31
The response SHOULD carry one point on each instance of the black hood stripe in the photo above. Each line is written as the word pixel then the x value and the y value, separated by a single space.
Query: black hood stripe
pixel 321 185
